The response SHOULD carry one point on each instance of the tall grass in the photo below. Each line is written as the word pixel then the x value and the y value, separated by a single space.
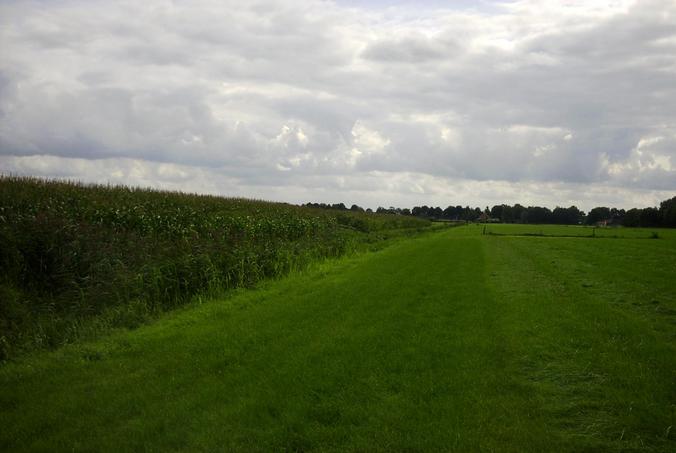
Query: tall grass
pixel 76 259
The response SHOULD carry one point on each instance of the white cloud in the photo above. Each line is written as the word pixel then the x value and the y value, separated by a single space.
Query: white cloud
pixel 368 141
pixel 314 97
pixel 650 164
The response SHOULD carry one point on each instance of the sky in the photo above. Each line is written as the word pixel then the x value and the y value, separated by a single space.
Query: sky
pixel 378 103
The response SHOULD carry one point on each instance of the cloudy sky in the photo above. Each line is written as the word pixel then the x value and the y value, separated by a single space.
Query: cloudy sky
pixel 371 102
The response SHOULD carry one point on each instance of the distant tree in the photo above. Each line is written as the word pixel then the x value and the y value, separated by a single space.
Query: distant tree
pixel 598 214
pixel 496 212
pixel 650 217
pixel 452 213
pixel 668 212
pixel 560 216
pixel 390 210
pixel 647 217
pixel 538 214
pixel 519 214
pixel 616 215
pixel 566 216
pixel 469 214
pixel 632 218
pixel 426 211
pixel 576 215
pixel 507 215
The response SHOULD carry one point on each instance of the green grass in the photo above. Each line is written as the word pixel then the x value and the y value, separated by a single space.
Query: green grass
pixel 576 231
pixel 450 341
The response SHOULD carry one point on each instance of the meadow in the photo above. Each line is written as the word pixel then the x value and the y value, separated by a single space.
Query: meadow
pixel 77 260
pixel 577 231
pixel 453 340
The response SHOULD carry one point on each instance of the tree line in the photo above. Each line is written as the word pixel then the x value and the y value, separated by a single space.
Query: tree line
pixel 662 216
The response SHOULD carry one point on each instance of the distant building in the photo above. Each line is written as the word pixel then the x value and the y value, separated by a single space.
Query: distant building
pixel 485 218
pixel 614 222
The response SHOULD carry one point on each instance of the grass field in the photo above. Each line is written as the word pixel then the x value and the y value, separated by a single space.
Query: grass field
pixel 577 231
pixel 454 340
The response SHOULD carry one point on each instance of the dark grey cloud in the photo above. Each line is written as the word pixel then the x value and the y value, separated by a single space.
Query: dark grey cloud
pixel 416 48
pixel 313 96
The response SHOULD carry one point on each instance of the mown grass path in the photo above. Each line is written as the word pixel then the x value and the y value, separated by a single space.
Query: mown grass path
pixel 452 341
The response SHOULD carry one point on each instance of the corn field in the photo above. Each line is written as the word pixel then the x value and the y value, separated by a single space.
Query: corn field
pixel 78 259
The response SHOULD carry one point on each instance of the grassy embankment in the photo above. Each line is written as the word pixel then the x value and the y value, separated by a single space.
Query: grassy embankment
pixel 454 341
pixel 77 260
